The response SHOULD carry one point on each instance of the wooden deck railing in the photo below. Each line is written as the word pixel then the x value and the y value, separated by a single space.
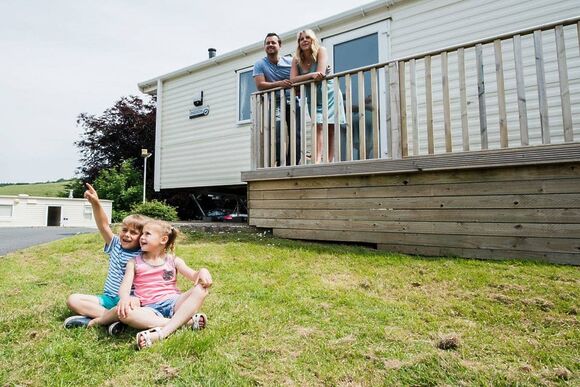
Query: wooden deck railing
pixel 511 90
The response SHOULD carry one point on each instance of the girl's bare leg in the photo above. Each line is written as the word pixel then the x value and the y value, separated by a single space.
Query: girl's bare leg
pixel 318 143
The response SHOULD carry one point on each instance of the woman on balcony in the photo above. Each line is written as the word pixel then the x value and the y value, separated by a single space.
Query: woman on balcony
pixel 311 63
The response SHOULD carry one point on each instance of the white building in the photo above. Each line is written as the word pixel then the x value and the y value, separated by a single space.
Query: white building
pixel 211 149
pixel 33 211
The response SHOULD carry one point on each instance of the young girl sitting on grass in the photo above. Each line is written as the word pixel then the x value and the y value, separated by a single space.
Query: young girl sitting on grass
pixel 153 275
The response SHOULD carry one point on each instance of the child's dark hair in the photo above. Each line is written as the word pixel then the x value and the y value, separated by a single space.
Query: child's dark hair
pixel 166 229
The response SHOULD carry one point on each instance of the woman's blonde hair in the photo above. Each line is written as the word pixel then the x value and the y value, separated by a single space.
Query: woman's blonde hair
pixel 315 46
pixel 166 229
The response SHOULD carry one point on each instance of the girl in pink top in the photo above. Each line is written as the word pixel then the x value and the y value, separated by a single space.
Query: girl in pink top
pixel 153 275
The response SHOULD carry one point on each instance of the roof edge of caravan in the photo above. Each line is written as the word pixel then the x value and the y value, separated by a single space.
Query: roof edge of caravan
pixel 150 86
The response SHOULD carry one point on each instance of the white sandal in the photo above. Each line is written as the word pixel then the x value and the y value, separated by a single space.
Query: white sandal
pixel 147 335
pixel 196 321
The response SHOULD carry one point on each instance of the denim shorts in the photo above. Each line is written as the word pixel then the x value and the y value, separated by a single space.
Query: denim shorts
pixel 163 308
pixel 108 302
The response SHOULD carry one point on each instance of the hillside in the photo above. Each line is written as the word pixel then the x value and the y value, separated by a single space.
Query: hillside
pixel 54 189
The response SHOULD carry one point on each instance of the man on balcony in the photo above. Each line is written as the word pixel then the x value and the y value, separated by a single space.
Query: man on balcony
pixel 271 72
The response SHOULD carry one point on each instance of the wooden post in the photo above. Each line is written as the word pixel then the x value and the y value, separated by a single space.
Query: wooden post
pixel 375 112
pixel 314 142
pixel 429 105
pixel 267 130
pixel 253 133
pixel 283 129
pixel 542 96
pixel 395 111
pixel 260 131
pixel 463 99
pixel 414 123
pixel 303 124
pixel 446 102
pixel 362 146
pixel 337 111
pixel 292 126
pixel 388 120
pixel 273 129
pixel 564 88
pixel 503 130
pixel 403 110
pixel 481 96
pixel 348 90
pixel 521 91
pixel 324 87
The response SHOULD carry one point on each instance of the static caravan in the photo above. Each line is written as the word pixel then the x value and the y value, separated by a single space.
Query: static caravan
pixel 462 131
pixel 32 211
pixel 204 112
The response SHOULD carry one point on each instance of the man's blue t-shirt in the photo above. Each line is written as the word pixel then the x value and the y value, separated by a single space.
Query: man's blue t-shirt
pixel 273 72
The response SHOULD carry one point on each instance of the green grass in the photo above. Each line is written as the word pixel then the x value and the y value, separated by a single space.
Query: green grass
pixel 54 189
pixel 285 312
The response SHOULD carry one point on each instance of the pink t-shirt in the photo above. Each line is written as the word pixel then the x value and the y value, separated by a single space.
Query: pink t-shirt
pixel 155 283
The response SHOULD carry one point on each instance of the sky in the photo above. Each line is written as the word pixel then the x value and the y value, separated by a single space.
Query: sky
pixel 60 58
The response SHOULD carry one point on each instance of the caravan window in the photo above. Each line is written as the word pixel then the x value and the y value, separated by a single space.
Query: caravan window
pixel 246 86
pixel 5 210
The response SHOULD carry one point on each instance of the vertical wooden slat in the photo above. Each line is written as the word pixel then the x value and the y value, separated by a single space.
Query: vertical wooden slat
pixel 564 88
pixel 260 142
pixel 253 133
pixel 429 105
pixel 283 129
pixel 292 142
pixel 348 90
pixel 362 143
pixel 388 121
pixel 503 130
pixel 324 87
pixel 521 91
pixel 578 35
pixel 541 79
pixel 337 114
pixel 481 96
pixel 403 110
pixel 267 130
pixel 414 121
pixel 259 128
pixel 463 99
pixel 396 147
pixel 273 129
pixel 375 112
pixel 303 124
pixel 314 141
pixel 446 102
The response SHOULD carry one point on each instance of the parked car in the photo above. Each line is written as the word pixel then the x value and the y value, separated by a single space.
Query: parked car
pixel 216 215
pixel 236 217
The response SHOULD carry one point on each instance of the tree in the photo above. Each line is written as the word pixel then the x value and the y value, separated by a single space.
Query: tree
pixel 117 135
pixel 121 184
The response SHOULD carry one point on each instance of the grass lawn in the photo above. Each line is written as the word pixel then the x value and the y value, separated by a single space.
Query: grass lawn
pixel 284 312
pixel 38 189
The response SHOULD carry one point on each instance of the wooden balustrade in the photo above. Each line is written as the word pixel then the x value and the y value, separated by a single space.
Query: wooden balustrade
pixel 442 101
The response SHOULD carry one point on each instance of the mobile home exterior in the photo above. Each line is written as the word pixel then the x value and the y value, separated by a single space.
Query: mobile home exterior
pixel 33 211
pixel 211 149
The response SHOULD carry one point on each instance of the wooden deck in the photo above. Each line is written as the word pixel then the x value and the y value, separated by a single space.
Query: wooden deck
pixel 443 188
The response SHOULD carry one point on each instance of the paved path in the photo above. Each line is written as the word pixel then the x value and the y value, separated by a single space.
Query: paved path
pixel 16 238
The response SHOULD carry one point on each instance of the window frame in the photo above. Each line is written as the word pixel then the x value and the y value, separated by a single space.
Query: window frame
pixel 239 72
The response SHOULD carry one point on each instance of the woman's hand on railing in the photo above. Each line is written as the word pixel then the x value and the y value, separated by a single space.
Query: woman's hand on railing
pixel 317 75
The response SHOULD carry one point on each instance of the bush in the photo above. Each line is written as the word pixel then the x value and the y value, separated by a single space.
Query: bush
pixel 156 209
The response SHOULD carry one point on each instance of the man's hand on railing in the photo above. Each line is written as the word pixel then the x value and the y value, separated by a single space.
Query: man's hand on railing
pixel 284 83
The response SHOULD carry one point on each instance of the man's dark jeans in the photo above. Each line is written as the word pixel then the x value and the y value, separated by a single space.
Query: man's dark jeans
pixel 298 136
